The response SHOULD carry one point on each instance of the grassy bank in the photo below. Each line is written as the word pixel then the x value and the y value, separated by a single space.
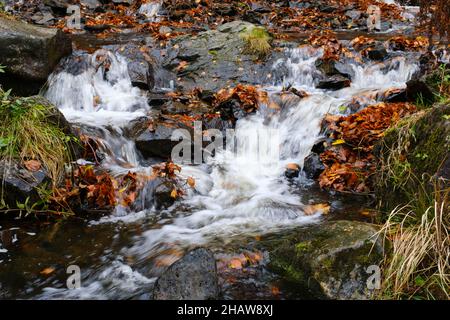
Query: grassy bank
pixel 414 186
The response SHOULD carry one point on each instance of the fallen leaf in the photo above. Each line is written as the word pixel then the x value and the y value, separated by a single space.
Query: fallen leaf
pixel 235 264
pixel 323 208
pixel 191 182
pixel 47 271
pixel 33 165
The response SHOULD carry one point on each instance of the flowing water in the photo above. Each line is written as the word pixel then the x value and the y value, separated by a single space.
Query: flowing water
pixel 240 195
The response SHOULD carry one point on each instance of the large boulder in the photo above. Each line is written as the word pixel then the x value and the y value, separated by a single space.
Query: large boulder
pixel 216 59
pixel 30 54
pixel 193 277
pixel 330 260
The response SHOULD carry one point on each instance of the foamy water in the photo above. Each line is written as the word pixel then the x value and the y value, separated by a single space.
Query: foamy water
pixel 240 192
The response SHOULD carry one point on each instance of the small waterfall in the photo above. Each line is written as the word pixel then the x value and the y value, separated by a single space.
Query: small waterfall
pixel 246 193
pixel 242 191
pixel 101 97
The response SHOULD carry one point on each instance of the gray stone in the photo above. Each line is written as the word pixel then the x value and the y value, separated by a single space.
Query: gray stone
pixel 216 59
pixel 193 277
pixel 162 197
pixel 30 54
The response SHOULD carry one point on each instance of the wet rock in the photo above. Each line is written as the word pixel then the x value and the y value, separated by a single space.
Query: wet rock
pixel 332 67
pixel 313 166
pixel 193 277
pixel 158 143
pixel 162 194
pixel 292 171
pixel 321 144
pixel 43 18
pixel 424 86
pixel 330 259
pixel 140 66
pixel 395 96
pixel 60 5
pixel 231 110
pixel 377 53
pixel 418 89
pixel 21 185
pixel 216 59
pixel 335 82
pixel 30 54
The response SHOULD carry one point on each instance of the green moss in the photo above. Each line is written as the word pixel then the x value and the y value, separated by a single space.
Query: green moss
pixel 303 247
pixel 257 41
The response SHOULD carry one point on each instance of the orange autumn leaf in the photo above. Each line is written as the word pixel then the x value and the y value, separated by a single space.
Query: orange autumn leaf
pixel 33 165
pixel 47 271
pixel 235 264
pixel 191 182
pixel 323 208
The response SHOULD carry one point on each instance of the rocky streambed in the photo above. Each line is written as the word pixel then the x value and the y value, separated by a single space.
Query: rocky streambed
pixel 248 223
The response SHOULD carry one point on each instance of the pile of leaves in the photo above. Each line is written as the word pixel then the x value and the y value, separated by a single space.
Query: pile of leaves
pixel 435 17
pixel 169 170
pixel 401 43
pixel 349 161
pixel 85 191
pixel 249 97
pixel 88 190
pixel 327 40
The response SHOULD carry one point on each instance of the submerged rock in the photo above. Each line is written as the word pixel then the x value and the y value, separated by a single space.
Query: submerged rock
pixel 335 82
pixel 330 260
pixel 30 54
pixel 193 277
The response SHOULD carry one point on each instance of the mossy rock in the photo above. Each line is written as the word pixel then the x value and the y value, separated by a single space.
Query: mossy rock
pixel 329 260
pixel 222 57
pixel 414 152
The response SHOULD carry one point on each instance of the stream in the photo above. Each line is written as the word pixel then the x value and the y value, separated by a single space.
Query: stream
pixel 241 198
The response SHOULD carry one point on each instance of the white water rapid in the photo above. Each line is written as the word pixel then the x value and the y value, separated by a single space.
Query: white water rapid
pixel 242 193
